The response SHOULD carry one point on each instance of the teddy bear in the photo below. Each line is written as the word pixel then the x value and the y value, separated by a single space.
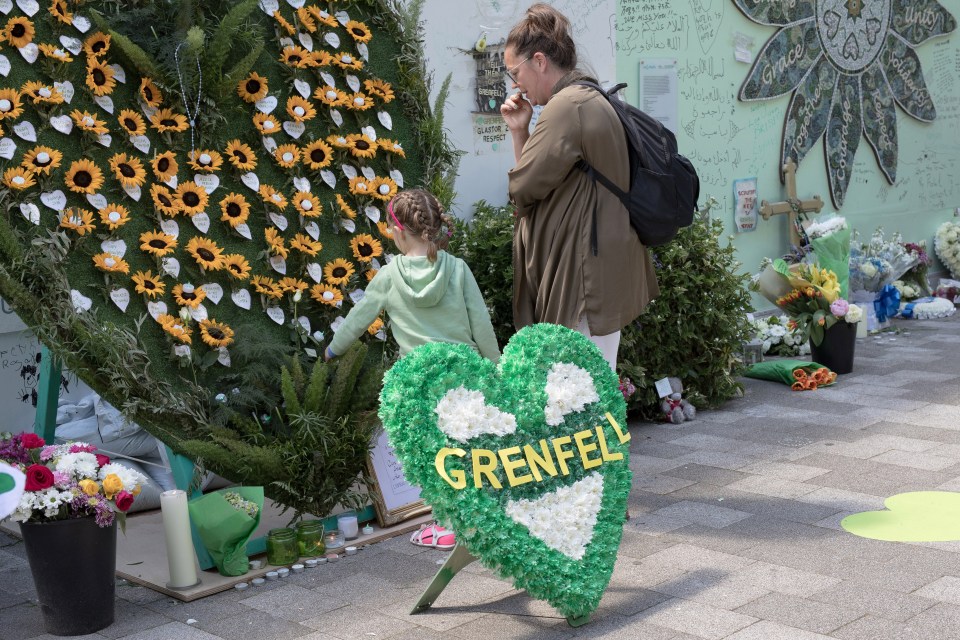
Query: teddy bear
pixel 675 408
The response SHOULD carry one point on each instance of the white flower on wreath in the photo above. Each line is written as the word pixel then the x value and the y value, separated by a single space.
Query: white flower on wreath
pixel 569 390
pixel 463 414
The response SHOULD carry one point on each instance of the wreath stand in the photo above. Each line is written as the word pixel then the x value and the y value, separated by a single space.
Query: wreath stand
pixel 459 559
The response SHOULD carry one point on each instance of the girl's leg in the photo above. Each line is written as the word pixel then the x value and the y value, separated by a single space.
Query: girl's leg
pixel 608 344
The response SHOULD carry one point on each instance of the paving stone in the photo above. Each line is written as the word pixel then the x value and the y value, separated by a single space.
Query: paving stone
pixel 21 621
pixel 802 613
pixel 885 603
pixel 180 631
pixel 721 459
pixel 927 461
pixel 875 628
pixel 697 619
pixel 785 471
pixel 130 618
pixel 720 589
pixel 708 515
pixel 776 487
pixel 709 475
pixel 767 630
pixel 660 484
pixel 786 580
pixel 946 589
pixel 294 603
pixel 255 624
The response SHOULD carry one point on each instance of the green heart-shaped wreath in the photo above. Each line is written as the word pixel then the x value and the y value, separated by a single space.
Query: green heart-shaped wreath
pixel 526 459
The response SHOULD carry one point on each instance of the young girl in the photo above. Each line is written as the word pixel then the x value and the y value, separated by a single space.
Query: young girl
pixel 430 296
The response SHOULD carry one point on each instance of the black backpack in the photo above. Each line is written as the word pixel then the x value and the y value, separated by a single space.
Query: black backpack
pixel 664 186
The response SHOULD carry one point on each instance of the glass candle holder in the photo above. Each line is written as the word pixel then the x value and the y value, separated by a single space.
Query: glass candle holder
pixel 334 539
pixel 282 546
pixel 310 538
pixel 347 523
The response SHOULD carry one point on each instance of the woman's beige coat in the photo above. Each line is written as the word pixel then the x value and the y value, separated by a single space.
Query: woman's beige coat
pixel 557 278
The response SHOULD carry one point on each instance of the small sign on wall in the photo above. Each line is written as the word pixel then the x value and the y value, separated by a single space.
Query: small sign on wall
pixel 491 79
pixel 490 134
pixel 746 209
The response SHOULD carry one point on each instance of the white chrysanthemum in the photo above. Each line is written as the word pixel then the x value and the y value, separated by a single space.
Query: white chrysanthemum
pixel 777 331
pixel 563 519
pixel 128 477
pixel 854 314
pixel 569 389
pixel 464 413
pixel 80 465
pixel 824 228
pixel 936 308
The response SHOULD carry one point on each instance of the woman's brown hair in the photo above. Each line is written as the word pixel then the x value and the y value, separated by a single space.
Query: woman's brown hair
pixel 544 29
pixel 421 214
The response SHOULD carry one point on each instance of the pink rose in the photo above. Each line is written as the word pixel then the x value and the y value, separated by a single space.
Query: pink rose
pixel 39 477
pixel 839 307
pixel 31 441
pixel 102 460
pixel 124 501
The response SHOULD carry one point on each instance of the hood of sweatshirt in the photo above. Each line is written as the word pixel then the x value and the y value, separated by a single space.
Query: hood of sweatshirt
pixel 422 281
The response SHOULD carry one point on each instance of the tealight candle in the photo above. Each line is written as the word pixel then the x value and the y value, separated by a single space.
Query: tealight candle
pixel 332 557
pixel 241 586
pixel 311 563
pixel 283 572
pixel 257 582
pixel 351 551
pixel 297 568
pixel 272 575
pixel 367 530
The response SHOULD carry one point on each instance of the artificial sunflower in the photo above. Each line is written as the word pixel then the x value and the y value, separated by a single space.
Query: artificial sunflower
pixel 323 17
pixel 188 295
pixel 375 327
pixel 360 186
pixel 79 220
pixel 391 146
pixel 365 247
pixel 158 243
pixel 132 122
pixel 337 272
pixel 358 101
pixel 114 216
pixel 97 45
pixel 272 196
pixel 287 155
pixel 284 23
pixel 321 58
pixel 10 105
pixel 128 170
pixel 297 57
pixel 41 93
pixel 150 94
pixel 252 88
pixel 235 209
pixel 163 200
pixel 359 31
pixel 379 88
pixel 191 198
pixel 110 263
pixel 84 177
pixel 307 204
pixel 346 60
pixel 305 244
pixel 42 159
pixel 338 141
pixel 307 21
pixel 267 286
pixel 325 294
pixel 292 285
pixel 205 160
pixel 216 334
pixel 383 189
pixel 206 252
pixel 361 146
pixel 18 178
pixel 317 155
pixel 278 246
pixel 166 120
pixel 19 32
pixel 148 284
pixel 370 274
pixel 100 78
pixel 59 10
pixel 88 122
pixel 384 230
pixel 299 109
pixel 165 166
pixel 345 208
pixel 175 327
pixel 330 96
pixel 266 124
pixel 241 156
pixel 55 53
pixel 237 266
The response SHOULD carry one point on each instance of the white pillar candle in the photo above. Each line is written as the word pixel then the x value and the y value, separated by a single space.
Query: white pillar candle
pixel 176 528
pixel 348 524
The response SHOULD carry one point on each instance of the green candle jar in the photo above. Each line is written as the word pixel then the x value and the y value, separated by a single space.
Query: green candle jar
pixel 310 538
pixel 282 546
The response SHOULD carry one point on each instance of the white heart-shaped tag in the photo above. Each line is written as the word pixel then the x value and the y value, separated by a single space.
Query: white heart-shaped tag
pixel 251 181
pixel 372 213
pixel 30 52
pixel 170 227
pixel 302 87
pixel 278 220
pixel 172 182
pixel 105 103
pixel 55 200
pixel 6 6
pixel 241 298
pixel 294 129
pixel 97 200
pixel 30 212
pixel 201 221
pixel 207 181
pixel 224 357
pixel 266 105
pixel 148 111
pixel 8 148
pixel 370 132
pixel 214 292
pixel 244 230
pixel 349 170
pixel 105 140
pixel 116 247
pixel 332 39
pixel 182 351
pixel 133 191
pixel 364 51
pixel 80 302
pixel 276 314
pixel 82 23
pixel 286 42
pixel 328 79
pixel 385 120
pixel 269 144
pixel 301 184
pixel 119 74
pixel 348 224
pixel 342 17
pixel 66 90
pixel 269 6
pixel 199 313
pixel 312 229
pixel 24 129
pixel 4 66
pixel 328 178
pixel 305 40
pixel 337 117
pixel 397 177
pixel 156 308
pixel 304 322
pixel 71 44
pixel 171 266
pixel 141 144
pixel 335 325
pixel 121 298
pixel 315 271
pixel 278 264
pixel 296 4
pixel 63 124
pixel 29 7
pixel 357 295
pixel 375 264
pixel 368 173
pixel 353 82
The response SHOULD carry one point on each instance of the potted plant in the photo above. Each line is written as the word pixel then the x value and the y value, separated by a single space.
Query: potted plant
pixel 72 501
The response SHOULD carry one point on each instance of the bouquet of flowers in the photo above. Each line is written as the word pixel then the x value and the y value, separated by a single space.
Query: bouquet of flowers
pixel 778 338
pixel 874 266
pixel 69 481
pixel 947 244
pixel 914 284
pixel 830 241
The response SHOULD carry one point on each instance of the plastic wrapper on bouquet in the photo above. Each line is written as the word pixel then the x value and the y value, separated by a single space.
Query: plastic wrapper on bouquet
pixel 874 266
pixel 225 529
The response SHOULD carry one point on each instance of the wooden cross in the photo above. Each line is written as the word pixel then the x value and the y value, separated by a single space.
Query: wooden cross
pixel 791 206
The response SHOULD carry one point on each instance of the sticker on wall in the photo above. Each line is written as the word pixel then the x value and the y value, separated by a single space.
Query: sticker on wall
pixel 746 209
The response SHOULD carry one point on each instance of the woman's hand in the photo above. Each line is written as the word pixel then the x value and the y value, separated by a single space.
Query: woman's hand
pixel 516 112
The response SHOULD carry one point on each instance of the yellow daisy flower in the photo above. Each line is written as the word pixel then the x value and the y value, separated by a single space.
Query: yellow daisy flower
pixel 284 24
pixel 272 196
pixel 383 189
pixel 216 334
pixel 391 146
pixel 83 177
pixel 325 294
pixel 370 274
pixel 206 252
pixel 235 209
pixel 42 159
pixel 158 243
pixel 306 20
pixel 128 170
pixel 346 60
pixel 252 88
pixel 97 44
pixel 337 272
pixel 18 178
pixel 175 327
pixel 205 160
pixel 19 32
pixel 307 204
pixel 114 216
pixel 379 88
pixel 358 102
pixel 188 295
pixel 345 208
pixel 292 285
pixel 330 96
pixel 361 146
pixel 165 166
pixel 88 122
pixel 360 186
pixel 359 31
pixel 10 105
pixel 241 156
pixel 375 327
pixel 297 57
pixel 267 286
pixel 166 120
pixel 266 124
pixel 365 247
pixel 41 93
pixel 338 141
pixel 79 220
pixel 278 246
pixel 384 230
pixel 110 263
pixel 163 200
pixel 132 122
pixel 148 284
pixel 305 244
pixel 321 58
pixel 100 78
pixel 191 198
pixel 323 17
pixel 287 155
pixel 55 53
pixel 317 155
pixel 59 10
pixel 237 266
pixel 150 94
pixel 299 109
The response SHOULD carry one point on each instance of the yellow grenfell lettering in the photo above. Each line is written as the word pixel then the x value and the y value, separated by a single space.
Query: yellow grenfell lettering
pixel 535 460
pixel 485 469
pixel 602 439
pixel 459 480
pixel 624 437
pixel 588 462
pixel 562 454
pixel 509 466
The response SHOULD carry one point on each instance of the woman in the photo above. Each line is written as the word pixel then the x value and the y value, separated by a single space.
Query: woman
pixel 577 262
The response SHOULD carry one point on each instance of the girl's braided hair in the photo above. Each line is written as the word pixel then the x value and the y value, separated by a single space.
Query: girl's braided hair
pixel 421 214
